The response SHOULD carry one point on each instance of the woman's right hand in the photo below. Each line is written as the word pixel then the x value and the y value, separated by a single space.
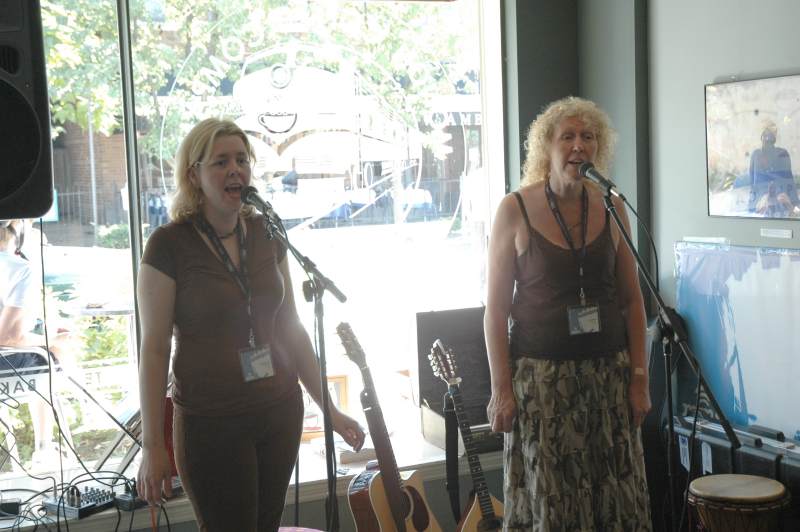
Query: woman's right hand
pixel 502 409
pixel 155 476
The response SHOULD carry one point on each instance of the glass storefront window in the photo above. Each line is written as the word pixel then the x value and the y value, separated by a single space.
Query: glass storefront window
pixel 368 124
pixel 80 255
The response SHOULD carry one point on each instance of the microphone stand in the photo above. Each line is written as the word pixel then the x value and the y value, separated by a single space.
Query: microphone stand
pixel 671 325
pixel 314 289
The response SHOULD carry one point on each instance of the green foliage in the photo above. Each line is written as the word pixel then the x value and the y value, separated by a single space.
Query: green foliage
pixel 18 419
pixel 104 337
pixel 114 236
pixel 82 63
pixel 185 52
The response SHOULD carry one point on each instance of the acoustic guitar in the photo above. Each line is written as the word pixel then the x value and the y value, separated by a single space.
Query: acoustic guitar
pixel 384 499
pixel 485 511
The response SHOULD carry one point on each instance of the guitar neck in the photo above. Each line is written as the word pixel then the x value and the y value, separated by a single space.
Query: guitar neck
pixel 387 464
pixel 475 469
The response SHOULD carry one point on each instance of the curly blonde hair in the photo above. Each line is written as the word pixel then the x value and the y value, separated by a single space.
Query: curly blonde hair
pixel 540 136
pixel 197 147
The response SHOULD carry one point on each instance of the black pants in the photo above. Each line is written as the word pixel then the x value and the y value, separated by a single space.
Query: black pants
pixel 235 469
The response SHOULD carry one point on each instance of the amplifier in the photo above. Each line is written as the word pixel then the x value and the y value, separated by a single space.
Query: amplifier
pixel 461 331
pixel 433 430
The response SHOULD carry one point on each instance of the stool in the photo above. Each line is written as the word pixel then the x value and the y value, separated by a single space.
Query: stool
pixel 738 503
pixel 23 372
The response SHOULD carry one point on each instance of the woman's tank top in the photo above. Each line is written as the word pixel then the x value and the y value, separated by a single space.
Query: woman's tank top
pixel 546 284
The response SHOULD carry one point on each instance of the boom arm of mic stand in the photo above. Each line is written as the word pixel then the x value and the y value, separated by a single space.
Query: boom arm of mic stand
pixel 322 283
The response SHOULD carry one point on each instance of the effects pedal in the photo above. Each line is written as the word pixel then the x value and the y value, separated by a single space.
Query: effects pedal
pixel 130 501
pixel 74 504
pixel 9 508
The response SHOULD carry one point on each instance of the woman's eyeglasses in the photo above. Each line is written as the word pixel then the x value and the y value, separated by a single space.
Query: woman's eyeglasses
pixel 223 162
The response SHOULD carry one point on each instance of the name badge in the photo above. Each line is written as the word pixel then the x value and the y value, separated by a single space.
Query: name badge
pixel 256 363
pixel 583 319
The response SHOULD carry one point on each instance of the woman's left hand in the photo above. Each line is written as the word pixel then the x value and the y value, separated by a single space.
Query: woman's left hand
pixel 640 399
pixel 348 428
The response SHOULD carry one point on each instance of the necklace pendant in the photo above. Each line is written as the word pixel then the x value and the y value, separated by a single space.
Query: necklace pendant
pixel 229 234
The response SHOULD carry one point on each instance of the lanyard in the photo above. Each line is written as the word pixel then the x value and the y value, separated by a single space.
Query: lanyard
pixel 579 257
pixel 240 275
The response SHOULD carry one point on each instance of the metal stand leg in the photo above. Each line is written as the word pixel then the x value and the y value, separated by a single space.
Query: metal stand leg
pixel 133 425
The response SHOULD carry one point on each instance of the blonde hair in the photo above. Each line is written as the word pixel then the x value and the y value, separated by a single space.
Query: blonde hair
pixel 197 147
pixel 541 131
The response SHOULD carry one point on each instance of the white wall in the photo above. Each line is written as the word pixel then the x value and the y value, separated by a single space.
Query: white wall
pixel 606 59
pixel 693 43
pixel 612 57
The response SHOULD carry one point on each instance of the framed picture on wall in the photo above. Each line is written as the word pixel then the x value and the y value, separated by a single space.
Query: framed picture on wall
pixel 753 147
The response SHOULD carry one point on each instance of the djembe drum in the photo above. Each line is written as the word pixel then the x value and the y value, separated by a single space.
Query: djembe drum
pixel 738 503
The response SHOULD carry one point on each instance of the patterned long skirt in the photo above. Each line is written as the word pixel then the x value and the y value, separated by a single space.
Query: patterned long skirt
pixel 573 461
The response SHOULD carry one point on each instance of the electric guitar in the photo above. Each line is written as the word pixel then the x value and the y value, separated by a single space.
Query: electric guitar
pixel 384 500
pixel 485 512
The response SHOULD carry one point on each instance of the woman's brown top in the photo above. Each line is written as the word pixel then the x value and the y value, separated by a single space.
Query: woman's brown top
pixel 546 284
pixel 211 323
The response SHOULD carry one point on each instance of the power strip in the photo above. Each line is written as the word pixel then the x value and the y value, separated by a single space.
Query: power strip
pixel 77 505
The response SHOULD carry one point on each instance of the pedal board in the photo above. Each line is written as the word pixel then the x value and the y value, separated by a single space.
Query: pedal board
pixel 74 504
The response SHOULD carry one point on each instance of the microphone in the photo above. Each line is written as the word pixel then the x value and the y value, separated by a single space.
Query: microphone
pixel 251 197
pixel 588 171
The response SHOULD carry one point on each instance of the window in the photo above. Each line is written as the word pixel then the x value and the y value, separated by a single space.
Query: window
pixel 83 246
pixel 369 124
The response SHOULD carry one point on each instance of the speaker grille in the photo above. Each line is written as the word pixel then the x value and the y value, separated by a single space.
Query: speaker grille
pixel 19 149
pixel 9 59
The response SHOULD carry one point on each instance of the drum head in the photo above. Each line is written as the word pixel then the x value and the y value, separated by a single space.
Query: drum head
pixel 742 489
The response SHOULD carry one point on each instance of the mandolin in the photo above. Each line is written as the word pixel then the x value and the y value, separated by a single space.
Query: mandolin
pixel 384 499
pixel 485 512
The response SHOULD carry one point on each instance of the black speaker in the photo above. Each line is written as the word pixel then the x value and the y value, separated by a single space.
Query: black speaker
pixel 26 175
pixel 461 331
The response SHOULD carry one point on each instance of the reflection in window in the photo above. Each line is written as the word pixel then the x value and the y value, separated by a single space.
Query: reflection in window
pixel 366 118
pixel 84 300
pixel 366 122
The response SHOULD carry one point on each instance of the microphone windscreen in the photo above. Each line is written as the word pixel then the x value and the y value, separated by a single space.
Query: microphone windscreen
pixel 246 192
pixel 585 168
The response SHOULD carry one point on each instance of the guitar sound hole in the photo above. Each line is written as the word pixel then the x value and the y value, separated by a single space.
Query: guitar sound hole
pixel 419 516
pixel 484 525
